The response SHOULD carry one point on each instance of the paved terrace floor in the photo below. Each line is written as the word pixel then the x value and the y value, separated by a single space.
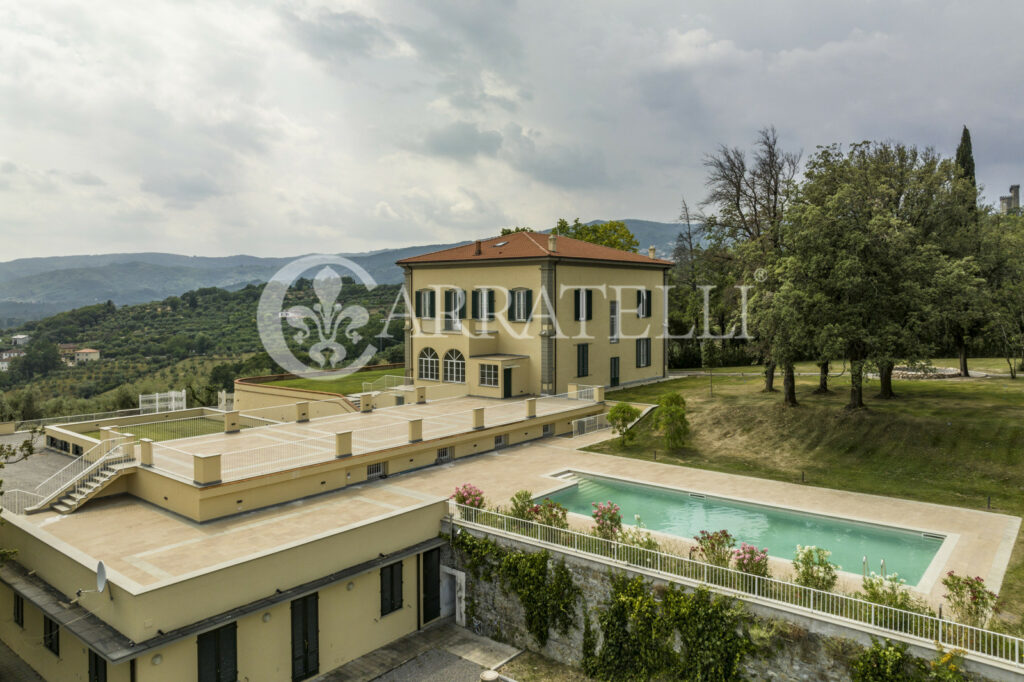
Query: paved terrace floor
pixel 283 446
pixel 149 546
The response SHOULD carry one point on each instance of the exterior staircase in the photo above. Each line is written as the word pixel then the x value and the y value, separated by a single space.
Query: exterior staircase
pixel 86 487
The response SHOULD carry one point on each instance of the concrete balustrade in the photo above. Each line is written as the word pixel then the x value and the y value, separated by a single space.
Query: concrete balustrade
pixel 415 430
pixel 343 444
pixel 231 422
pixel 206 469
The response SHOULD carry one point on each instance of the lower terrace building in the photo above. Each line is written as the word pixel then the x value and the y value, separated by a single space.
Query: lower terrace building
pixel 260 549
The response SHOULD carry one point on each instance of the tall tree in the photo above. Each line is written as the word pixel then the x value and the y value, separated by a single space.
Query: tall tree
pixel 965 157
pixel 749 201
pixel 613 233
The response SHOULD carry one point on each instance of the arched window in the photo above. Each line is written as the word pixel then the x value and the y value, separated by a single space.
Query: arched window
pixel 428 364
pixel 454 367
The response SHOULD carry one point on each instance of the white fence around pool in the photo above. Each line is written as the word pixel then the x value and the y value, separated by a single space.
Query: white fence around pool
pixel 918 628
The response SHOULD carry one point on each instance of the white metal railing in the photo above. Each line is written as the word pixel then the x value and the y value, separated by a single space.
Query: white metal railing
pixel 386 382
pixel 584 392
pixel 270 459
pixel 75 418
pixel 585 425
pixel 177 463
pixel 171 401
pixel 919 628
pixel 119 451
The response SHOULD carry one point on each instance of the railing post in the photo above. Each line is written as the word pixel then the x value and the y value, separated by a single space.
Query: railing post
pixel 301 411
pixel 146 452
pixel 478 418
pixel 531 408
pixel 415 430
pixel 231 422
pixel 343 444
pixel 206 469
pixel 366 403
pixel 572 391
pixel 599 394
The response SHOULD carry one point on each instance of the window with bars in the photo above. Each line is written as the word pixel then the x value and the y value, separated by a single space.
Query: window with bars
pixel 613 321
pixel 489 375
pixel 643 352
pixel 454 367
pixel 376 470
pixel 390 588
pixel 428 364
pixel 500 441
pixel 549 430
pixel 51 635
pixel 583 360
pixel 445 455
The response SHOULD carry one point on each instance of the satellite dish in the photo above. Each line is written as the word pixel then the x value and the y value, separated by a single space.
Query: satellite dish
pixel 101 577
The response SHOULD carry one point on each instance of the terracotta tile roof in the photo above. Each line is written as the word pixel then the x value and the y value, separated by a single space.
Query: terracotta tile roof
pixel 531 245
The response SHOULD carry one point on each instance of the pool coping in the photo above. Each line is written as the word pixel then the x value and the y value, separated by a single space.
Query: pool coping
pixel 924 586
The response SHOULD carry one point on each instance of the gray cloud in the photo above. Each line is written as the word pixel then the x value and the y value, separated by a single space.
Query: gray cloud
pixel 462 141
pixel 295 128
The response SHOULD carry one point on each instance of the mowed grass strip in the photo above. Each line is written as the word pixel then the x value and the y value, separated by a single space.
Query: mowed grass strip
pixel 351 383
pixel 949 441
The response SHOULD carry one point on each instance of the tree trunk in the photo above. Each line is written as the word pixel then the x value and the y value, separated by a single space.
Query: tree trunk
pixel 961 347
pixel 789 386
pixel 885 378
pixel 769 377
pixel 856 385
pixel 822 378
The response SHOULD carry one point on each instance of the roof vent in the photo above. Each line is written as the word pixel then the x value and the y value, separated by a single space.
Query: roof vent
pixel 651 251
pixel 476 250
pixel 552 242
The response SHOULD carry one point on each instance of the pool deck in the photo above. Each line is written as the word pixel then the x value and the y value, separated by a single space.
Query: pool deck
pixel 149 546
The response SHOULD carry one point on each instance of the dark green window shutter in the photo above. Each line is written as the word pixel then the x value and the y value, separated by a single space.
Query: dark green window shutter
pixel 431 303
pixel 647 303
pixel 590 304
pixel 638 352
pixel 449 296
pixel 418 303
pixel 460 299
pixel 475 304
pixel 576 304
pixel 528 313
pixel 490 304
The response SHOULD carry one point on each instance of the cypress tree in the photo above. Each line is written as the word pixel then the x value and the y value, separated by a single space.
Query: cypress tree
pixel 965 157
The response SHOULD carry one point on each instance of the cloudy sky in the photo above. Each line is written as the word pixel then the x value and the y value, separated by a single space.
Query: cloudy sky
pixel 222 127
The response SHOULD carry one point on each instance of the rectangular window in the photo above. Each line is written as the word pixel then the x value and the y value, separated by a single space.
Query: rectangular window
pixel 583 360
pixel 376 470
pixel 483 304
pixel 51 635
pixel 444 455
pixel 643 352
pixel 454 309
pixel 583 305
pixel 643 303
pixel 549 430
pixel 217 654
pixel 500 441
pixel 520 305
pixel 390 588
pixel 489 375
pixel 98 668
pixel 425 303
pixel 19 610
pixel 613 321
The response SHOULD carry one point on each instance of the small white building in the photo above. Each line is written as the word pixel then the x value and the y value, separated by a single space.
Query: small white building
pixel 86 355
pixel 20 339
pixel 5 365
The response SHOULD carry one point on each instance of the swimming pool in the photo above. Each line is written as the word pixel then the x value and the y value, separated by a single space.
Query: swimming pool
pixel 685 514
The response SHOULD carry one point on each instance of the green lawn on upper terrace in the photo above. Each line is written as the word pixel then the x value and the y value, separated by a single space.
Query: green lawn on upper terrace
pixel 948 441
pixel 351 383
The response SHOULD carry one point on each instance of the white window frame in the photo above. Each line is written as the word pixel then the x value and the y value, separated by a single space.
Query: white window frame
pixel 432 364
pixel 613 321
pixel 519 305
pixel 489 375
pixel 453 370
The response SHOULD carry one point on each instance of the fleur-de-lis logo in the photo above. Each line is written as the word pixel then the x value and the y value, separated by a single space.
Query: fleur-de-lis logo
pixel 320 323
pixel 327 316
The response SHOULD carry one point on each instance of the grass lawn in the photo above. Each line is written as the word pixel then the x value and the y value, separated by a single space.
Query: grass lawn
pixel 987 365
pixel 159 431
pixel 351 383
pixel 954 442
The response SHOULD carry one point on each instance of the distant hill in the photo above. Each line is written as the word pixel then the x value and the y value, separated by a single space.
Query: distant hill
pixel 33 288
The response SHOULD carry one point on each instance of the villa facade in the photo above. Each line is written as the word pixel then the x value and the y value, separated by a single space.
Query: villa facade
pixel 531 314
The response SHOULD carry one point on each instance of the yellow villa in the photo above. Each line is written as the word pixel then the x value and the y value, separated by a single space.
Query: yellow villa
pixel 528 314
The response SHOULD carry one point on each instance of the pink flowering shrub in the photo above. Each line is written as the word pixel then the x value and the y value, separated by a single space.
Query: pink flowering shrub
pixel 551 513
pixel 469 495
pixel 970 601
pixel 715 548
pixel 607 520
pixel 752 560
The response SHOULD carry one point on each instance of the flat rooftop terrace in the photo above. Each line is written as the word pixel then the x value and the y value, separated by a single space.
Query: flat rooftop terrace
pixel 145 547
pixel 278 447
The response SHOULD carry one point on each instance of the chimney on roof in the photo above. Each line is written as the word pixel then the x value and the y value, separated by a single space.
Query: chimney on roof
pixel 552 242
pixel 651 251
pixel 477 251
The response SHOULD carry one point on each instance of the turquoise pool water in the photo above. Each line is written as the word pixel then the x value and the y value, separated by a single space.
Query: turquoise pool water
pixel 678 512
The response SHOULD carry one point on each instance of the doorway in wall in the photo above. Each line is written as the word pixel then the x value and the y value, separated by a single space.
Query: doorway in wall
pixel 506 381
pixel 615 372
